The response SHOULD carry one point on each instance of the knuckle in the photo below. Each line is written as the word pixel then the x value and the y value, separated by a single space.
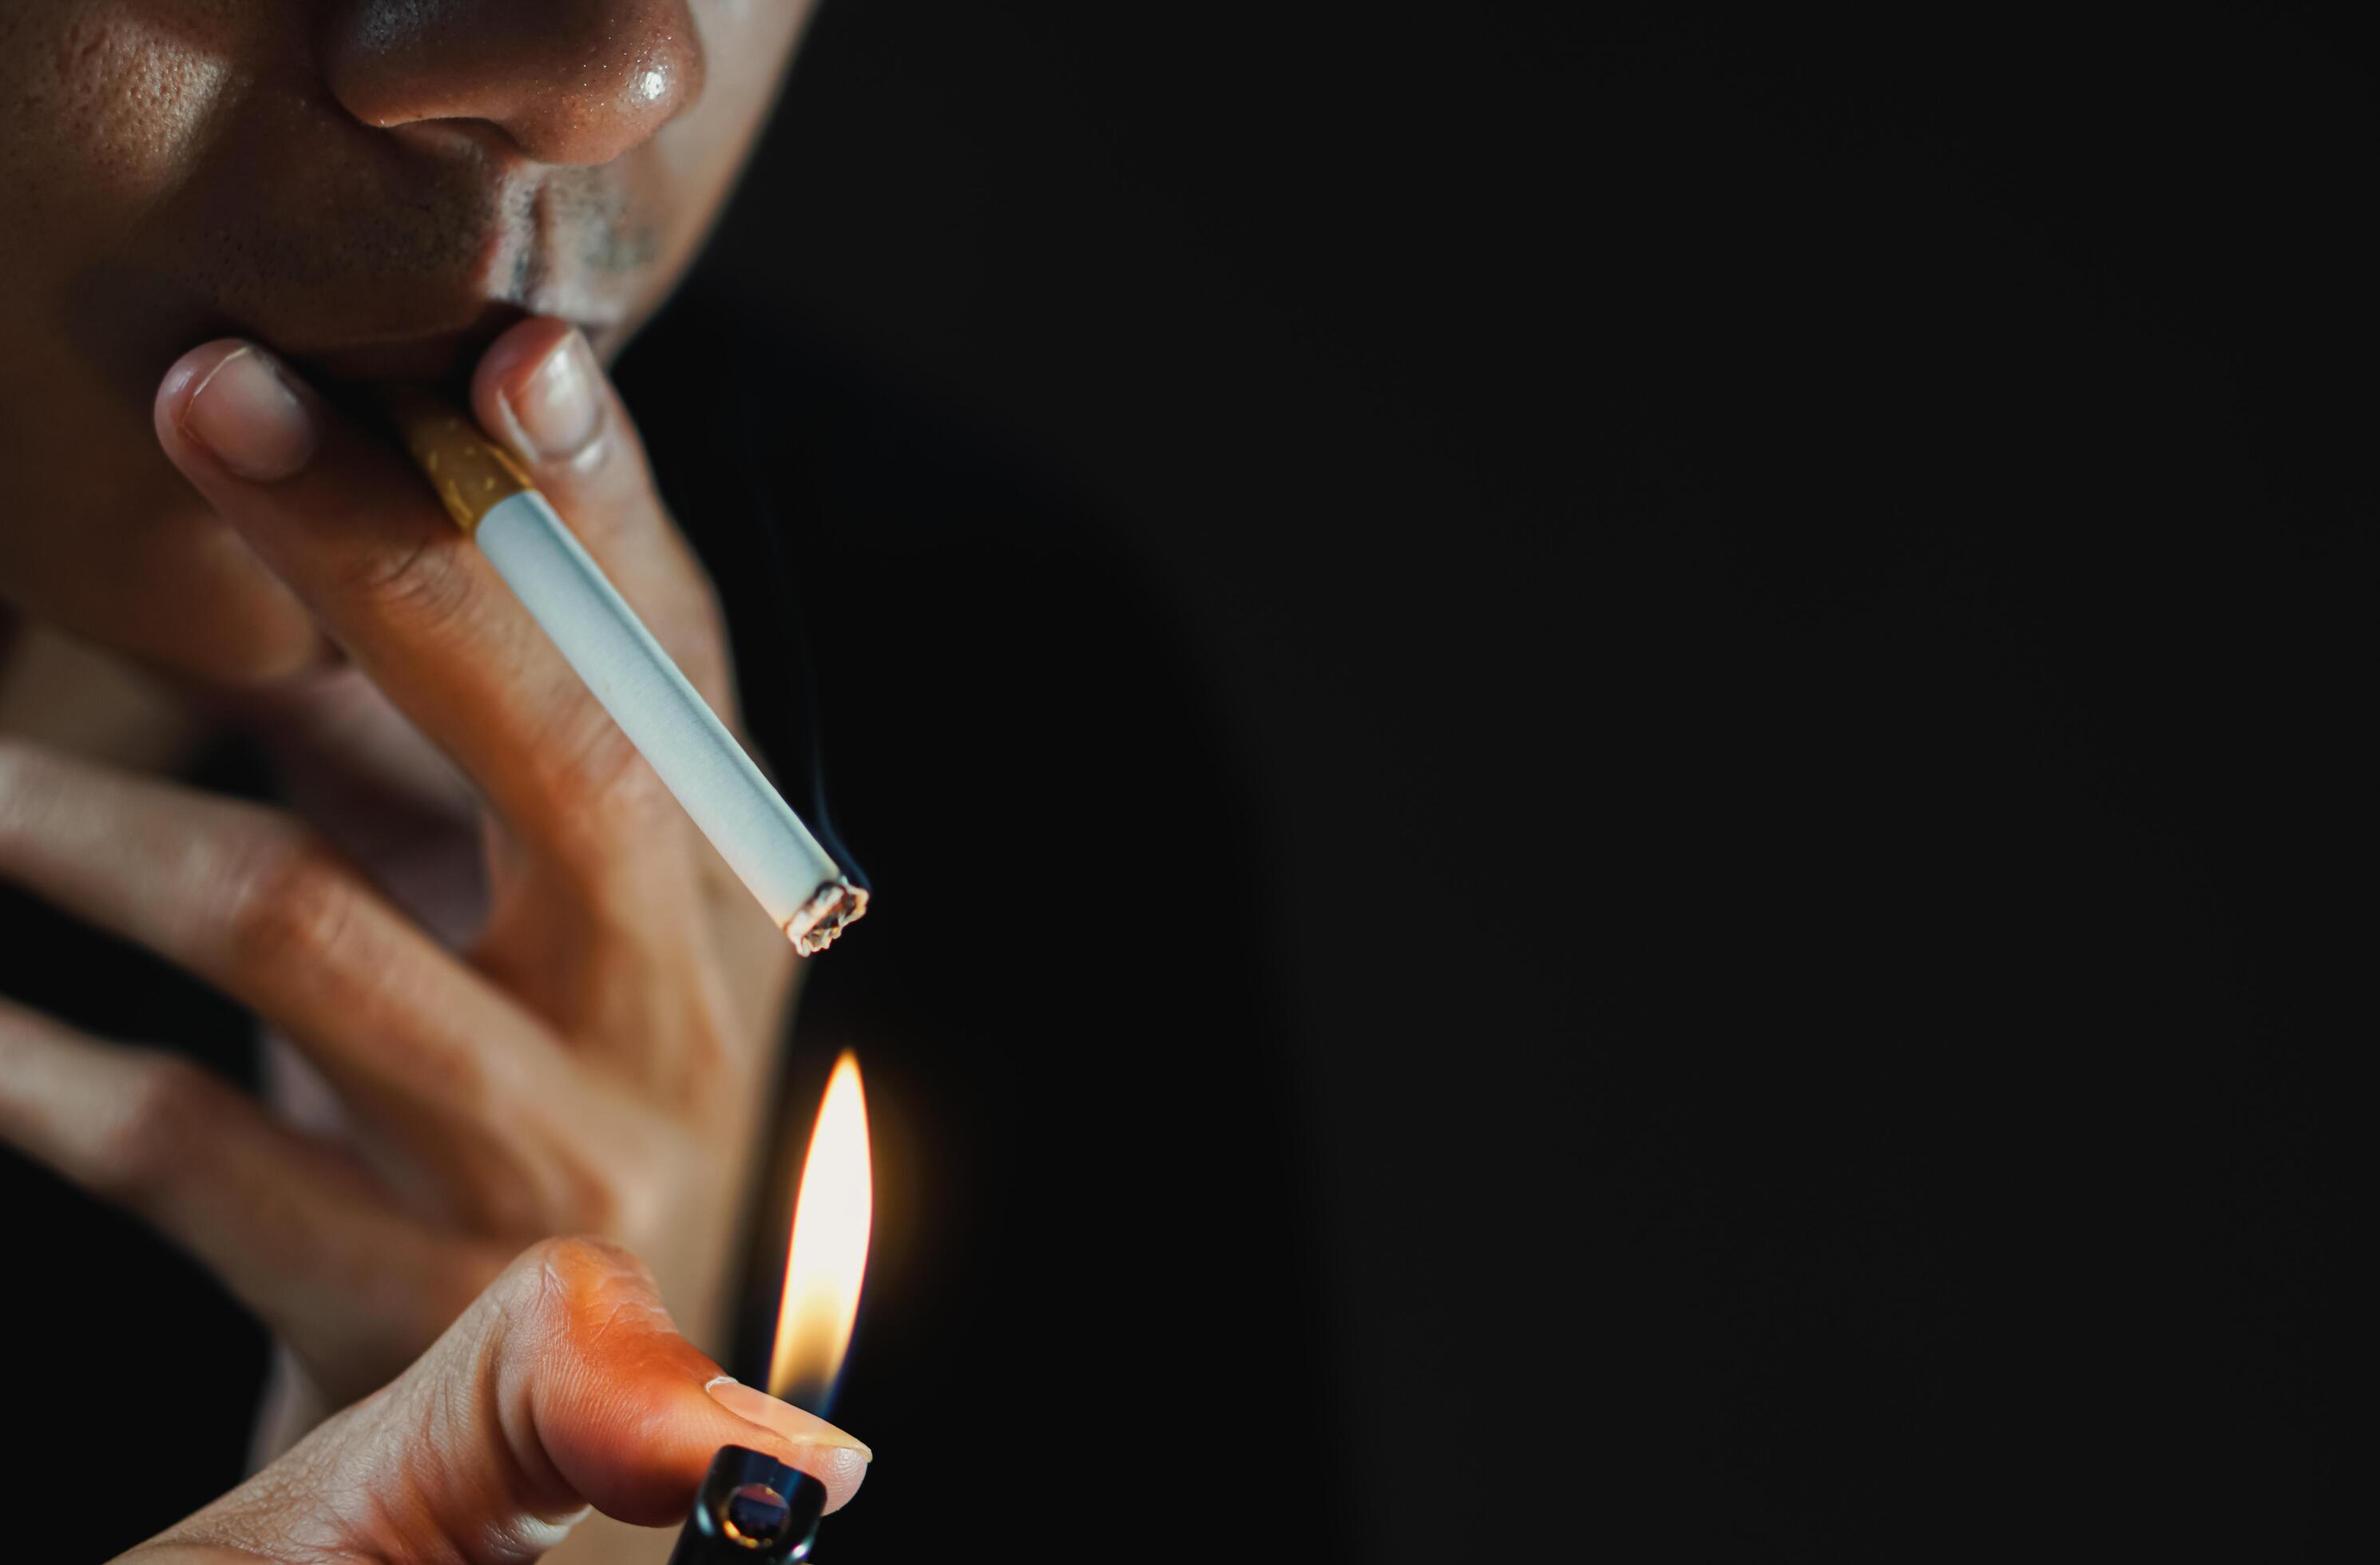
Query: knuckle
pixel 158 1117
pixel 601 792
pixel 588 1262
pixel 599 767
pixel 422 577
pixel 289 899
pixel 566 1284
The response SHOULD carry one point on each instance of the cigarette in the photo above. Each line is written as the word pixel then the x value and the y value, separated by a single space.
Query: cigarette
pixel 751 1509
pixel 777 858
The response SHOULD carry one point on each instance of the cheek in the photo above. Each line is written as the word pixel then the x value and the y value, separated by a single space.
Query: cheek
pixel 107 104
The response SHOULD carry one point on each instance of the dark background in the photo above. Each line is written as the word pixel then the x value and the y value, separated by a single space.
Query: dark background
pixel 1607 764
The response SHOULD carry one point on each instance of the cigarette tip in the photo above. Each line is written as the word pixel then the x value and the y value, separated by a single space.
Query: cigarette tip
pixel 831 909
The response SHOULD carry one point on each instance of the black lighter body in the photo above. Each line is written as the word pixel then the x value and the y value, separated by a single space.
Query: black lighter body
pixel 751 1509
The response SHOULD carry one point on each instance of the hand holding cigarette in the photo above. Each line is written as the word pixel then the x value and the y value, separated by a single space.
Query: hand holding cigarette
pixel 498 506
pixel 541 1003
pixel 563 1386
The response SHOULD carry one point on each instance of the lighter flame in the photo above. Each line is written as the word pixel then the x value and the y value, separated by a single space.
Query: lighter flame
pixel 829 1255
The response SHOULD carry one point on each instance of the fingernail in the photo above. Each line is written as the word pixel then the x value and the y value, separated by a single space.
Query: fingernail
pixel 555 409
pixel 247 414
pixel 784 1419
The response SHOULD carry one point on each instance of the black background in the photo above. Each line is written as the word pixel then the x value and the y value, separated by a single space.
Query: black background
pixel 1607 767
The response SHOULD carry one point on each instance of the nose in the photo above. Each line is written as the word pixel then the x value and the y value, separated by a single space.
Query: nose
pixel 567 81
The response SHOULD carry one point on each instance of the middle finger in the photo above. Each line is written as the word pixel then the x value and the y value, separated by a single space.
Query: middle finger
pixel 243 898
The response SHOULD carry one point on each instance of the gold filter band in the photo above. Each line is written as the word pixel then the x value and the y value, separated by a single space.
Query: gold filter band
pixel 470 472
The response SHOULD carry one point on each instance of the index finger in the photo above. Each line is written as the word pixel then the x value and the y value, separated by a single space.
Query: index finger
pixel 352 528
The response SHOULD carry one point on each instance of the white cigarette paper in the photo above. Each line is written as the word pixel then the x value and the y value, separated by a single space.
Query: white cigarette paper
pixel 491 499
pixel 755 830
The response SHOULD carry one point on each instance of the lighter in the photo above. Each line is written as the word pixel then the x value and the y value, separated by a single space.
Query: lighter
pixel 751 1509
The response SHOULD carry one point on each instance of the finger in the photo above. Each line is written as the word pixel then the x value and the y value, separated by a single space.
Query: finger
pixel 337 725
pixel 299 1233
pixel 137 1127
pixel 627 1411
pixel 248 899
pixel 352 528
pixel 563 1384
pixel 541 389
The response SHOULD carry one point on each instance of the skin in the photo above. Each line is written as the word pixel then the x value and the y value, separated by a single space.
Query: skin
pixel 510 993
pixel 374 188
pixel 563 1385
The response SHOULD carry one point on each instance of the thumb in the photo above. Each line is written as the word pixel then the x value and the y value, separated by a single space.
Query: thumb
pixel 563 1386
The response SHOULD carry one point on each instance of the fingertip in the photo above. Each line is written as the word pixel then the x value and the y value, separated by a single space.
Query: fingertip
pixel 241 405
pixel 539 388
pixel 509 361
pixel 797 1437
pixel 841 1471
pixel 628 1411
pixel 181 383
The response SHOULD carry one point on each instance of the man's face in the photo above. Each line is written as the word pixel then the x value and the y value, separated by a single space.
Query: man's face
pixel 374 187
